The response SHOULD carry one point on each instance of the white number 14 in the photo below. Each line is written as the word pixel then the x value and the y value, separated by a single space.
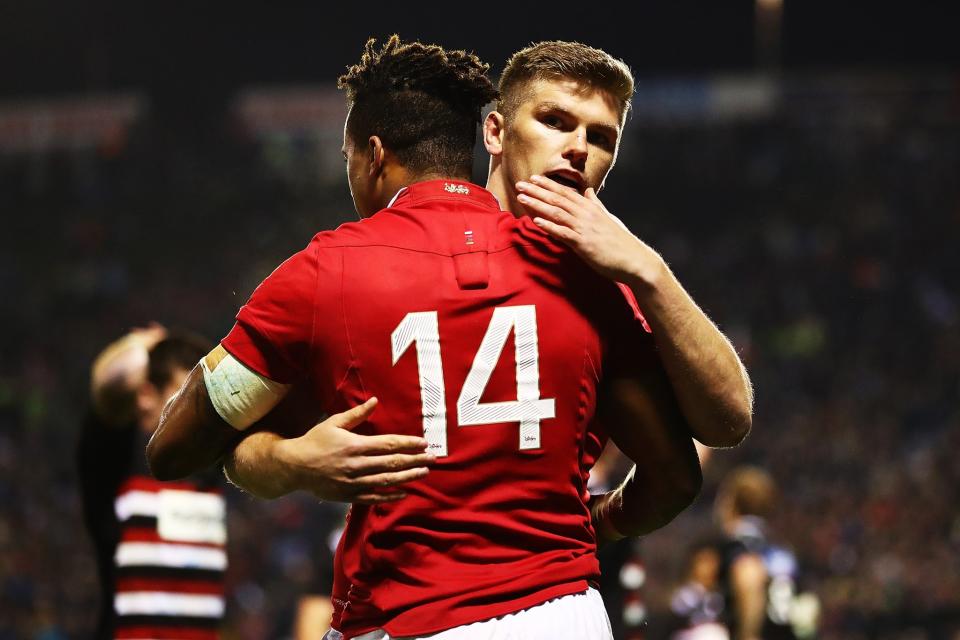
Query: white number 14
pixel 528 409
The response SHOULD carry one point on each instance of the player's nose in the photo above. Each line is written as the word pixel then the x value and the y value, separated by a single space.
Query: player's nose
pixel 575 148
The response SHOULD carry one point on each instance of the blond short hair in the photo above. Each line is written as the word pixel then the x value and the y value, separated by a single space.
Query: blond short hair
pixel 750 490
pixel 557 59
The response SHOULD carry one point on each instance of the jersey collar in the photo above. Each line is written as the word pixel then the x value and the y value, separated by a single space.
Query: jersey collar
pixel 446 189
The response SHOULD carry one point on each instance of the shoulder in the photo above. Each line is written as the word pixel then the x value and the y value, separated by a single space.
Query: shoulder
pixel 376 229
pixel 301 270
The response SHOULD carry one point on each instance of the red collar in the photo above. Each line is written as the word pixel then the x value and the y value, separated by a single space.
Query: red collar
pixel 447 189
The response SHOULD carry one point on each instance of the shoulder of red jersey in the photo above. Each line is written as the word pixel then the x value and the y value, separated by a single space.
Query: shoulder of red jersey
pixel 391 227
pixel 346 234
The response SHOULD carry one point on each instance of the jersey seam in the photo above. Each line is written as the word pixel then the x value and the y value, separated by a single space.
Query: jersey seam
pixel 346 330
pixel 483 207
pixel 316 310
pixel 582 414
pixel 434 253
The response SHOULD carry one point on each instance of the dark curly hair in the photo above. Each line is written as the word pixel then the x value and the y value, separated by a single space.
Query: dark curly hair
pixel 423 101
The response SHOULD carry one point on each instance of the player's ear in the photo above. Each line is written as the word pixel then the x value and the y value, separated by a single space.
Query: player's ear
pixel 493 133
pixel 377 155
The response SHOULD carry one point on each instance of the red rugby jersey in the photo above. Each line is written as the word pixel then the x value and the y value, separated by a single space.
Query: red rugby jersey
pixel 476 330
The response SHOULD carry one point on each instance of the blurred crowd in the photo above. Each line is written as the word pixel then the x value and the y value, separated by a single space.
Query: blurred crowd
pixel 821 237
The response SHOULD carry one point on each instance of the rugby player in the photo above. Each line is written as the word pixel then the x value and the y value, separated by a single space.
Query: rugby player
pixel 758 578
pixel 159 547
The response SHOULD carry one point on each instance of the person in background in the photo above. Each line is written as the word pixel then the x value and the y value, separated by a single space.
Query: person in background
pixel 160 548
pixel 758 577
pixel 696 607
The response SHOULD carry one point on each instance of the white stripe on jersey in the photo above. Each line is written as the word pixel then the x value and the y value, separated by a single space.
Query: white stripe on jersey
pixel 170 555
pixel 706 631
pixel 137 503
pixel 162 603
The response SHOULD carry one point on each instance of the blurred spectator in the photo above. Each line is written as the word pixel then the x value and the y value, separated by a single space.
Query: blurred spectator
pixel 160 548
pixel 757 578
pixel 697 606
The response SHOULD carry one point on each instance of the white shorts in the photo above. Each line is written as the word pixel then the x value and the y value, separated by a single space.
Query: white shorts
pixel 578 616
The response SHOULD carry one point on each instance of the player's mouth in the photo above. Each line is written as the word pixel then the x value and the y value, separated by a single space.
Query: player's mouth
pixel 568 179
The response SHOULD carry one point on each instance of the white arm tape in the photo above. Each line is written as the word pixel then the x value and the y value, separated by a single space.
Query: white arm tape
pixel 239 395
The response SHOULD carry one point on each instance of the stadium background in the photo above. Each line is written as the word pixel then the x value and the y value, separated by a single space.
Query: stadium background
pixel 158 159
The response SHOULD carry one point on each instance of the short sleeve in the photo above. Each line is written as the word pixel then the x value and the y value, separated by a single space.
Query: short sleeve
pixel 274 330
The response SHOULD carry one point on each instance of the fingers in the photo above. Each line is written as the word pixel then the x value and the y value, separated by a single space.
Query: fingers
pixel 548 211
pixel 384 480
pixel 550 205
pixel 564 234
pixel 389 443
pixel 560 190
pixel 378 498
pixel 353 417
pixel 393 443
pixel 395 462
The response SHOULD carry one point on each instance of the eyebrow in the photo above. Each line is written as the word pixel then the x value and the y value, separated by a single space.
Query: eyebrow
pixel 555 106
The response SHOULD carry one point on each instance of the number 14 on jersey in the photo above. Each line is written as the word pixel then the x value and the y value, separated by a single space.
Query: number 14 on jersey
pixel 421 328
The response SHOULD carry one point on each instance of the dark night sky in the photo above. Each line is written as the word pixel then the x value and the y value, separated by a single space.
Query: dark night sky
pixel 200 51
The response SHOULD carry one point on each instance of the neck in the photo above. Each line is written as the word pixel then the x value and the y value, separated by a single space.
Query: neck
pixel 500 186
pixel 423 177
pixel 401 177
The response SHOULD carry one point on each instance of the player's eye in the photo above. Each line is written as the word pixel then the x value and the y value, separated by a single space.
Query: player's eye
pixel 601 140
pixel 551 120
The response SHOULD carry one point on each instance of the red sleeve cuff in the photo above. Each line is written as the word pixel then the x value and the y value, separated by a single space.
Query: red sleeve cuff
pixel 256 353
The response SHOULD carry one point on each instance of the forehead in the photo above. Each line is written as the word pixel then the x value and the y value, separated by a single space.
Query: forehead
pixel 579 98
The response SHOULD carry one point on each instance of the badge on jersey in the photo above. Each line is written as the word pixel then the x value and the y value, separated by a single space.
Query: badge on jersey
pixel 188 516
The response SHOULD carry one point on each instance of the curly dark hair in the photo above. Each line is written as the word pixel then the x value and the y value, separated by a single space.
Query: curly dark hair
pixel 423 101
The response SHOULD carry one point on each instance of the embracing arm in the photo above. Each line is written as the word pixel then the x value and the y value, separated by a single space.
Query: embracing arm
pixel 645 422
pixel 191 435
pixel 244 377
pixel 329 460
pixel 254 466
pixel 709 380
